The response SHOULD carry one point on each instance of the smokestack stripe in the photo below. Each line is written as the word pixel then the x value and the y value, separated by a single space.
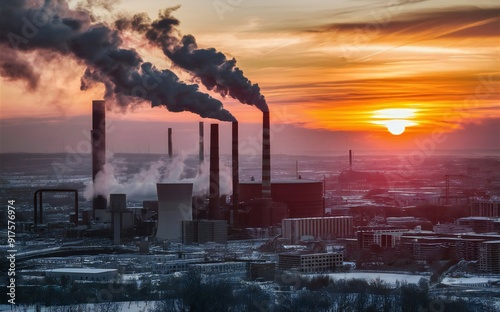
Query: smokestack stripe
pixel 213 203
pixel 266 157
pixel 202 147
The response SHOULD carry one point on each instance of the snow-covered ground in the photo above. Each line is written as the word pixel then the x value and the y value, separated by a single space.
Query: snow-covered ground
pixel 389 278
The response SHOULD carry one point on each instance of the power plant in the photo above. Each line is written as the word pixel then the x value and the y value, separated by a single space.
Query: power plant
pixel 252 204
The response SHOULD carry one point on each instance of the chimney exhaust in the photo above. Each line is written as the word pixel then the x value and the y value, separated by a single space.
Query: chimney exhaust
pixel 236 176
pixel 98 138
pixel 214 197
pixel 170 143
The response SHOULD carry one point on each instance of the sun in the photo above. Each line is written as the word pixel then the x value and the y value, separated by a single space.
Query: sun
pixel 396 126
pixel 395 119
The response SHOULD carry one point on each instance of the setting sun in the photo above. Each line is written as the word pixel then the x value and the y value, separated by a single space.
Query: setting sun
pixel 395 119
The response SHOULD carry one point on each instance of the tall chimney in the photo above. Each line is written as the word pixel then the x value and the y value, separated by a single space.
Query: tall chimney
pixel 266 157
pixel 236 175
pixel 202 148
pixel 170 143
pixel 213 204
pixel 98 142
pixel 350 159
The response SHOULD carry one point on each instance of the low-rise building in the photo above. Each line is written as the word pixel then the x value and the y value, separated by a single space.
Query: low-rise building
pixel 238 268
pixel 383 236
pixel 83 274
pixel 174 266
pixel 310 263
pixel 326 228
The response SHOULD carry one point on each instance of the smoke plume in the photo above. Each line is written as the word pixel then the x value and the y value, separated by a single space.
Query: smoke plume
pixel 52 26
pixel 210 66
pixel 142 184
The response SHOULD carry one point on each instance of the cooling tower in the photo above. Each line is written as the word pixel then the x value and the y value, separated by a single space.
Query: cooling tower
pixel 174 206
pixel 98 141
pixel 214 204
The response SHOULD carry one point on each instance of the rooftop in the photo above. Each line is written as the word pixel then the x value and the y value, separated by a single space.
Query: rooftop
pixel 81 270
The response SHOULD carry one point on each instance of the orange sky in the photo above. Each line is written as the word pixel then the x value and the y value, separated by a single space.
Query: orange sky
pixel 321 66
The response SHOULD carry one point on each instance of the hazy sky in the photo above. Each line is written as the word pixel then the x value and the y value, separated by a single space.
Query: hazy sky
pixel 332 73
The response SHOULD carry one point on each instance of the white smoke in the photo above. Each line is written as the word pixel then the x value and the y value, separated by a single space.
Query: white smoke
pixel 142 185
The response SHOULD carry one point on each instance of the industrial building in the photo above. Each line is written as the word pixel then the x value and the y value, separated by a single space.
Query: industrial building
pixel 310 263
pixel 489 256
pixel 303 198
pixel 83 274
pixel 203 231
pixel 327 228
pixel 174 206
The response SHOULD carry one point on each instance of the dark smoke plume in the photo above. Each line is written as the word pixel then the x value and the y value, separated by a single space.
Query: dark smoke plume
pixel 15 68
pixel 52 27
pixel 211 67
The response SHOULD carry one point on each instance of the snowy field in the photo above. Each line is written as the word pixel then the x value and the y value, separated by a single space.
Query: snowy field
pixel 389 278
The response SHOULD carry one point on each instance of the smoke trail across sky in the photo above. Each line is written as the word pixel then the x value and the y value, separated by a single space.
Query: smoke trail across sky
pixel 51 26
pixel 209 66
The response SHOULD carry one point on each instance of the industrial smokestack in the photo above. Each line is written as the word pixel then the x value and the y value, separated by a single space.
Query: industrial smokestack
pixel 170 143
pixel 98 138
pixel 350 159
pixel 266 157
pixel 202 148
pixel 236 176
pixel 213 204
